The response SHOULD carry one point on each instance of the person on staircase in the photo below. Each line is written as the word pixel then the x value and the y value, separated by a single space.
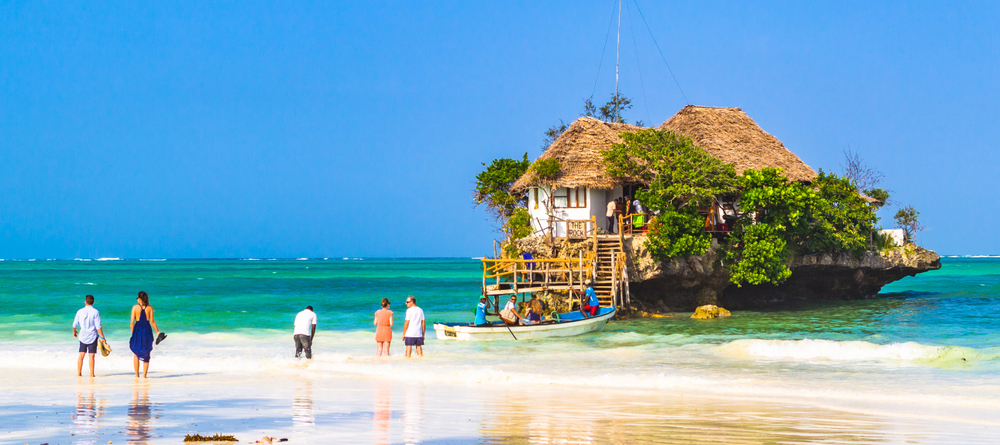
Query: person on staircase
pixel 612 219
pixel 591 304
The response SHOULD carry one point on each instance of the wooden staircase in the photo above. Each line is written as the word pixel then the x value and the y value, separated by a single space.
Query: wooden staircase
pixel 608 247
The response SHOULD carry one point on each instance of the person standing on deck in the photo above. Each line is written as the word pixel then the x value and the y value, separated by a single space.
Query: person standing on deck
pixel 414 327
pixel 592 303
pixel 88 321
pixel 305 330
pixel 611 216
pixel 383 333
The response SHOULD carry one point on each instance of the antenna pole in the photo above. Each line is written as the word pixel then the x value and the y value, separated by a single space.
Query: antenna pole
pixel 618 53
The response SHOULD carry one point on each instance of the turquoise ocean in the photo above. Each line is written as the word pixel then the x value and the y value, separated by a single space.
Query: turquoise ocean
pixel 933 338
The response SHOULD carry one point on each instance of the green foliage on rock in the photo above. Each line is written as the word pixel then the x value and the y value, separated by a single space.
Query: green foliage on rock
pixel 678 172
pixel 840 219
pixel 546 168
pixel 782 218
pixel 681 178
pixel 762 256
pixel 519 224
pixel 677 233
pixel 908 219
pixel 880 196
pixel 493 187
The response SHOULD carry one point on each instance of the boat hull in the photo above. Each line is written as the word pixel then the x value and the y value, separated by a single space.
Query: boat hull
pixel 573 324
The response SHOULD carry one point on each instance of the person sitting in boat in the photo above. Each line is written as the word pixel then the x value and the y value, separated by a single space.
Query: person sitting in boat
pixel 481 313
pixel 591 304
pixel 509 313
pixel 530 316
pixel 533 311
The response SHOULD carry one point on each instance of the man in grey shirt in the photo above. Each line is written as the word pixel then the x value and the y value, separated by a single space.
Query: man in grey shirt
pixel 88 321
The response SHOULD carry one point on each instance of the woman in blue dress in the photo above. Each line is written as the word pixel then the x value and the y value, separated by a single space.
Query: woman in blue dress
pixel 142 325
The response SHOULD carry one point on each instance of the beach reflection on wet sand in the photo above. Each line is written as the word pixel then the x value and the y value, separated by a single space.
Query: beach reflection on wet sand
pixel 317 409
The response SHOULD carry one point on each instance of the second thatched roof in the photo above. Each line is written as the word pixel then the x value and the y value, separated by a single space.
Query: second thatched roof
pixel 726 133
pixel 732 137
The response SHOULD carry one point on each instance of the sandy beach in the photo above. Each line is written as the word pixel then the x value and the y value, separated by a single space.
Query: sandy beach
pixel 317 407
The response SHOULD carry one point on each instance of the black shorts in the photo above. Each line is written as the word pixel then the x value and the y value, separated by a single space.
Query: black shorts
pixel 89 348
pixel 413 341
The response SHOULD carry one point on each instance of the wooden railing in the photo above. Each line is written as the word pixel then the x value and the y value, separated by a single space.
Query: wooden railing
pixel 620 295
pixel 513 276
pixel 633 223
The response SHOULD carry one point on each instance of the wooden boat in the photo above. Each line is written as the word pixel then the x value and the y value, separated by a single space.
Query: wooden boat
pixel 568 324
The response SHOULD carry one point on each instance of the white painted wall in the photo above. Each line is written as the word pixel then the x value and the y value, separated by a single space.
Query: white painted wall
pixel 596 206
pixel 898 235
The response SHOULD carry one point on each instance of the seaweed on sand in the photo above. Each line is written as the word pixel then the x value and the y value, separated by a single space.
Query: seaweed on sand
pixel 215 438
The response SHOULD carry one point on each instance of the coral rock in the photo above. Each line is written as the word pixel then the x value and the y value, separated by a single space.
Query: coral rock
pixel 709 311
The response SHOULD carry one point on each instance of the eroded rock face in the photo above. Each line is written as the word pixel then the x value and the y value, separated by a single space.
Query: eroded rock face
pixel 836 277
pixel 689 282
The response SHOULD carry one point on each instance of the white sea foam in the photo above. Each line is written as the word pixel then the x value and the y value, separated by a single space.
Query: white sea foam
pixel 107 259
pixel 842 350
pixel 81 259
pixel 302 259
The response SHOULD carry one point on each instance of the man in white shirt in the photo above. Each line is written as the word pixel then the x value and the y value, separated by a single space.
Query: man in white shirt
pixel 414 327
pixel 509 313
pixel 88 321
pixel 305 330
pixel 611 217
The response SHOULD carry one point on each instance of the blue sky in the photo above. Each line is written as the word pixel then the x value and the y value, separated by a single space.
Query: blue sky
pixel 251 129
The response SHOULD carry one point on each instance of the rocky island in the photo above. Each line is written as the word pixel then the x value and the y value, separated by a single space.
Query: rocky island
pixel 706 209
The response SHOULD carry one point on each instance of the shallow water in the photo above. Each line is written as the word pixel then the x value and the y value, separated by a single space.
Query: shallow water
pixel 929 349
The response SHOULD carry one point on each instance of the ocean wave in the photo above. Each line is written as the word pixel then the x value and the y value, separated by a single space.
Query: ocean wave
pixel 269 353
pixel 846 351
pixel 108 259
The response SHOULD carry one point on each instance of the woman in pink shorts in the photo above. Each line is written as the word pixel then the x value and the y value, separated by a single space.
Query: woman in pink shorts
pixel 383 331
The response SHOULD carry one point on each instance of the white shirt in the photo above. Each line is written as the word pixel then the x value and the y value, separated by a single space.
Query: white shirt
pixel 510 305
pixel 611 209
pixel 415 316
pixel 88 321
pixel 304 322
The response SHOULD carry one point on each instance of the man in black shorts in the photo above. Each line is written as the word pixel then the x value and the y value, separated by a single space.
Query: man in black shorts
pixel 88 321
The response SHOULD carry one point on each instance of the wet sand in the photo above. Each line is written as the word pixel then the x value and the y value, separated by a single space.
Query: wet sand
pixel 46 406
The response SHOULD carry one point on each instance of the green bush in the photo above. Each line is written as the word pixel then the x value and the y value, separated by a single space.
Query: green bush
pixel 519 224
pixel 677 233
pixel 762 256
pixel 546 168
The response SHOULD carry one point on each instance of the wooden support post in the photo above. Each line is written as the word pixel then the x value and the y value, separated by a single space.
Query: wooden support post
pixel 515 276
pixel 614 273
pixel 547 267
pixel 568 267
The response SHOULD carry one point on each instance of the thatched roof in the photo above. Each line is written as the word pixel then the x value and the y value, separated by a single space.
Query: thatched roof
pixel 726 133
pixel 578 151
pixel 730 135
